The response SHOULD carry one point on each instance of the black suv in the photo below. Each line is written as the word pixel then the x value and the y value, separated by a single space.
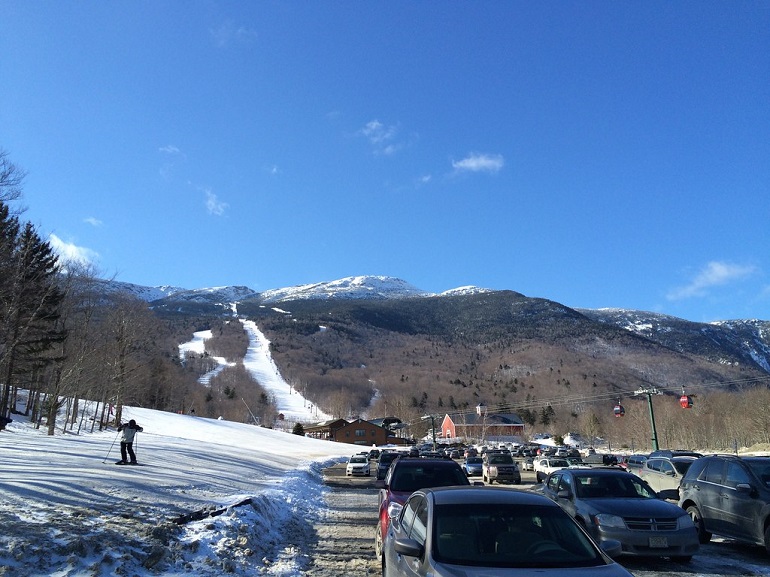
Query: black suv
pixel 730 496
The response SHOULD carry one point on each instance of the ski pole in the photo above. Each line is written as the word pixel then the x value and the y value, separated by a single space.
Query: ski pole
pixel 110 450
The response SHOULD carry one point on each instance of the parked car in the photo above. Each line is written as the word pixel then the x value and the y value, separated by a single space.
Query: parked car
pixel 374 454
pixel 665 473
pixel 730 496
pixel 546 465
pixel 358 465
pixel 600 459
pixel 674 453
pixel 635 462
pixel 384 461
pixel 614 504
pixel 406 476
pixel 500 467
pixel 472 466
pixel 490 531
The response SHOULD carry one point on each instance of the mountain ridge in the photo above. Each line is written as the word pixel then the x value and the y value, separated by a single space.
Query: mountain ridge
pixel 396 305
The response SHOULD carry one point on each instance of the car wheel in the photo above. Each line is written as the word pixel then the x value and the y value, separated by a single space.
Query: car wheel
pixel 378 545
pixel 694 513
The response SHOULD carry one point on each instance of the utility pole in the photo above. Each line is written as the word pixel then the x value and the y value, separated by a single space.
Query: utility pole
pixel 432 426
pixel 649 392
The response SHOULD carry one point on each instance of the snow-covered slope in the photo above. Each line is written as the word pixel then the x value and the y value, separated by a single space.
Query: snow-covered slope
pixel 355 287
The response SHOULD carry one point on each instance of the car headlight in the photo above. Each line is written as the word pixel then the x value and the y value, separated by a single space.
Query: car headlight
pixel 606 520
pixel 685 522
pixel 394 509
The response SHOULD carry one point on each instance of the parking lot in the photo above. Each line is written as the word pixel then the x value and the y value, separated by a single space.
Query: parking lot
pixel 719 558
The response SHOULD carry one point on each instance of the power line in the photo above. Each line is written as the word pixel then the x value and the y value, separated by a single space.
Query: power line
pixel 609 396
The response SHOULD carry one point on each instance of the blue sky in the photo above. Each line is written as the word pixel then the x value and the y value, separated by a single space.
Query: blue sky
pixel 599 154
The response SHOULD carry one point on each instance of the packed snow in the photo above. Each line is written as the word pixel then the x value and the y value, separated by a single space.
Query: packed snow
pixel 68 510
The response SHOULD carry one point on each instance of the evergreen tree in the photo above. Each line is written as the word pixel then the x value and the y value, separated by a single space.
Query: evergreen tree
pixel 298 430
pixel 30 299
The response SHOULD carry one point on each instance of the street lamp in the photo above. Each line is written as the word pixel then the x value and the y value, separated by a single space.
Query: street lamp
pixel 432 426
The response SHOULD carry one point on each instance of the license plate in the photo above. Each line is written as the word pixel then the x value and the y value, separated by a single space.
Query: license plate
pixel 658 542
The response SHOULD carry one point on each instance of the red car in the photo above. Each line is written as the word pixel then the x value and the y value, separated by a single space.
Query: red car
pixel 407 475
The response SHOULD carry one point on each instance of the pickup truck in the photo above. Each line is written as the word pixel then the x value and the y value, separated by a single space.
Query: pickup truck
pixel 547 465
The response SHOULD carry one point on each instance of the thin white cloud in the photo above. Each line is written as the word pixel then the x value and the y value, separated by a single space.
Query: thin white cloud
pixel 713 274
pixel 172 158
pixel 214 205
pixel 382 137
pixel 95 222
pixel 477 162
pixel 228 33
pixel 71 253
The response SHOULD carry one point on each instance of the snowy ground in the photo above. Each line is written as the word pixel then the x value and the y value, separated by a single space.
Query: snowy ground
pixel 68 510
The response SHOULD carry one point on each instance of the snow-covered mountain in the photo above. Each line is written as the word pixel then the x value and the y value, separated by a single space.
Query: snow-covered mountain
pixel 737 342
pixel 727 342
pixel 144 293
pixel 354 288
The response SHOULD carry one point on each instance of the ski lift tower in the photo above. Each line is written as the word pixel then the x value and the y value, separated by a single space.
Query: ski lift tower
pixel 649 392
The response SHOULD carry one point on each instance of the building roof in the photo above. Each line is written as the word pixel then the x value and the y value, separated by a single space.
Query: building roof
pixel 509 419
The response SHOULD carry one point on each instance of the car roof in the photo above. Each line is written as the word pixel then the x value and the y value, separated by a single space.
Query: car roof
pixel 474 495
pixel 423 462
pixel 674 453
pixel 606 471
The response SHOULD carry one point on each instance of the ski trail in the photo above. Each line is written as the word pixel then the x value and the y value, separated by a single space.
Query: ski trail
pixel 259 362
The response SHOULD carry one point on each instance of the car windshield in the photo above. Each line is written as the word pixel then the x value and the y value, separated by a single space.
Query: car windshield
pixel 387 457
pixel 414 477
pixel 611 486
pixel 559 463
pixel 508 535
pixel 358 459
pixel 473 460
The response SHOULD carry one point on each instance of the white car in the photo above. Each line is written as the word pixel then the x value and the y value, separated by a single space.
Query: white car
pixel 547 465
pixel 358 465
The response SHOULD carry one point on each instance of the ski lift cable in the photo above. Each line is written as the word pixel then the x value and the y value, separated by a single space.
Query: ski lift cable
pixel 607 396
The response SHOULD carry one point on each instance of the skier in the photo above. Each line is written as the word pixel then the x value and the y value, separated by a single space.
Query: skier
pixel 127 442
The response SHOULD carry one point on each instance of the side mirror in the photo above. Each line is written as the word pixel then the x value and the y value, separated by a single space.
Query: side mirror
pixel 669 494
pixel 408 547
pixel 564 494
pixel 744 488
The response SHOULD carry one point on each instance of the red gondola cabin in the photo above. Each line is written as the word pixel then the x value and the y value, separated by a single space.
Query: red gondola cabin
pixel 619 410
pixel 685 401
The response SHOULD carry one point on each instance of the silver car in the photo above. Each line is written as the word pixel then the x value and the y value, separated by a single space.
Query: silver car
pixel 475 531
pixel 614 504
